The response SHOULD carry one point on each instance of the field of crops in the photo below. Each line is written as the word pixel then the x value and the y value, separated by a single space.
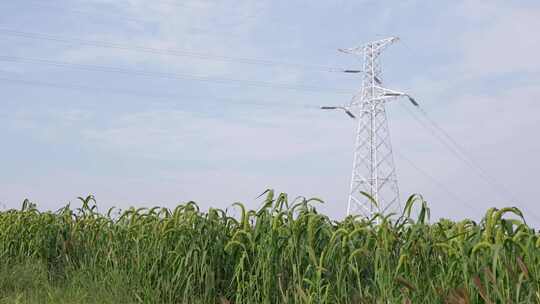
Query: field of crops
pixel 286 252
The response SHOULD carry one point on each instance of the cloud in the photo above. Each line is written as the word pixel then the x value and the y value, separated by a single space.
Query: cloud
pixel 215 27
pixel 501 38
pixel 481 57
pixel 164 134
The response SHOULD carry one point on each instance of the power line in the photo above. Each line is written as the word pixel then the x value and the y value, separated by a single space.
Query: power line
pixel 108 14
pixel 163 75
pixel 461 150
pixel 452 146
pixel 433 132
pixel 84 12
pixel 456 149
pixel 436 182
pixel 480 171
pixel 170 97
pixel 167 52
pixel 118 16
pixel 113 15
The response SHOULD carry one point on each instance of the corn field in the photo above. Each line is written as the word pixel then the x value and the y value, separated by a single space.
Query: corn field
pixel 285 252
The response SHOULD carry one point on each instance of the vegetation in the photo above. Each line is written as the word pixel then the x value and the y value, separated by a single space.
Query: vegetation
pixel 283 253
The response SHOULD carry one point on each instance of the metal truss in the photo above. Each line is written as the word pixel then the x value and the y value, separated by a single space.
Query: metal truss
pixel 373 170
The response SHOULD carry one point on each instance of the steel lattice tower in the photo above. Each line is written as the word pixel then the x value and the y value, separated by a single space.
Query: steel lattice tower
pixel 373 170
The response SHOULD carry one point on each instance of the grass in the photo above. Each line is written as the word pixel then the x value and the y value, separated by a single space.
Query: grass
pixel 36 288
pixel 285 252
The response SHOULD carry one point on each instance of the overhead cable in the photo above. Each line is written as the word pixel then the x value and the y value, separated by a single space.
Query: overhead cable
pixel 169 97
pixel 170 52
pixel 164 75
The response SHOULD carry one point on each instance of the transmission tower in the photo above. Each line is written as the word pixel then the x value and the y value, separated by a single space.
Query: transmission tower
pixel 373 170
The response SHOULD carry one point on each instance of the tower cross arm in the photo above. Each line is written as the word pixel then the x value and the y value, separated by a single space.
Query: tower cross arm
pixel 376 46
pixel 345 109
pixel 389 94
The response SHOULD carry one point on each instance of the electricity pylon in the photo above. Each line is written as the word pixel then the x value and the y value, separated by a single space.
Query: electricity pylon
pixel 373 170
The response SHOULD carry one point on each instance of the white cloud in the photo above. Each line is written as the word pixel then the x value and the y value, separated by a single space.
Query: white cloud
pixel 215 28
pixel 496 122
pixel 164 134
pixel 502 38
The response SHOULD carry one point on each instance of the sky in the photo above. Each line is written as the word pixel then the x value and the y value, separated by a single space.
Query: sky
pixel 232 109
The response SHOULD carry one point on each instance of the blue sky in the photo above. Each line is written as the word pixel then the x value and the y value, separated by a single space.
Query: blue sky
pixel 133 139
